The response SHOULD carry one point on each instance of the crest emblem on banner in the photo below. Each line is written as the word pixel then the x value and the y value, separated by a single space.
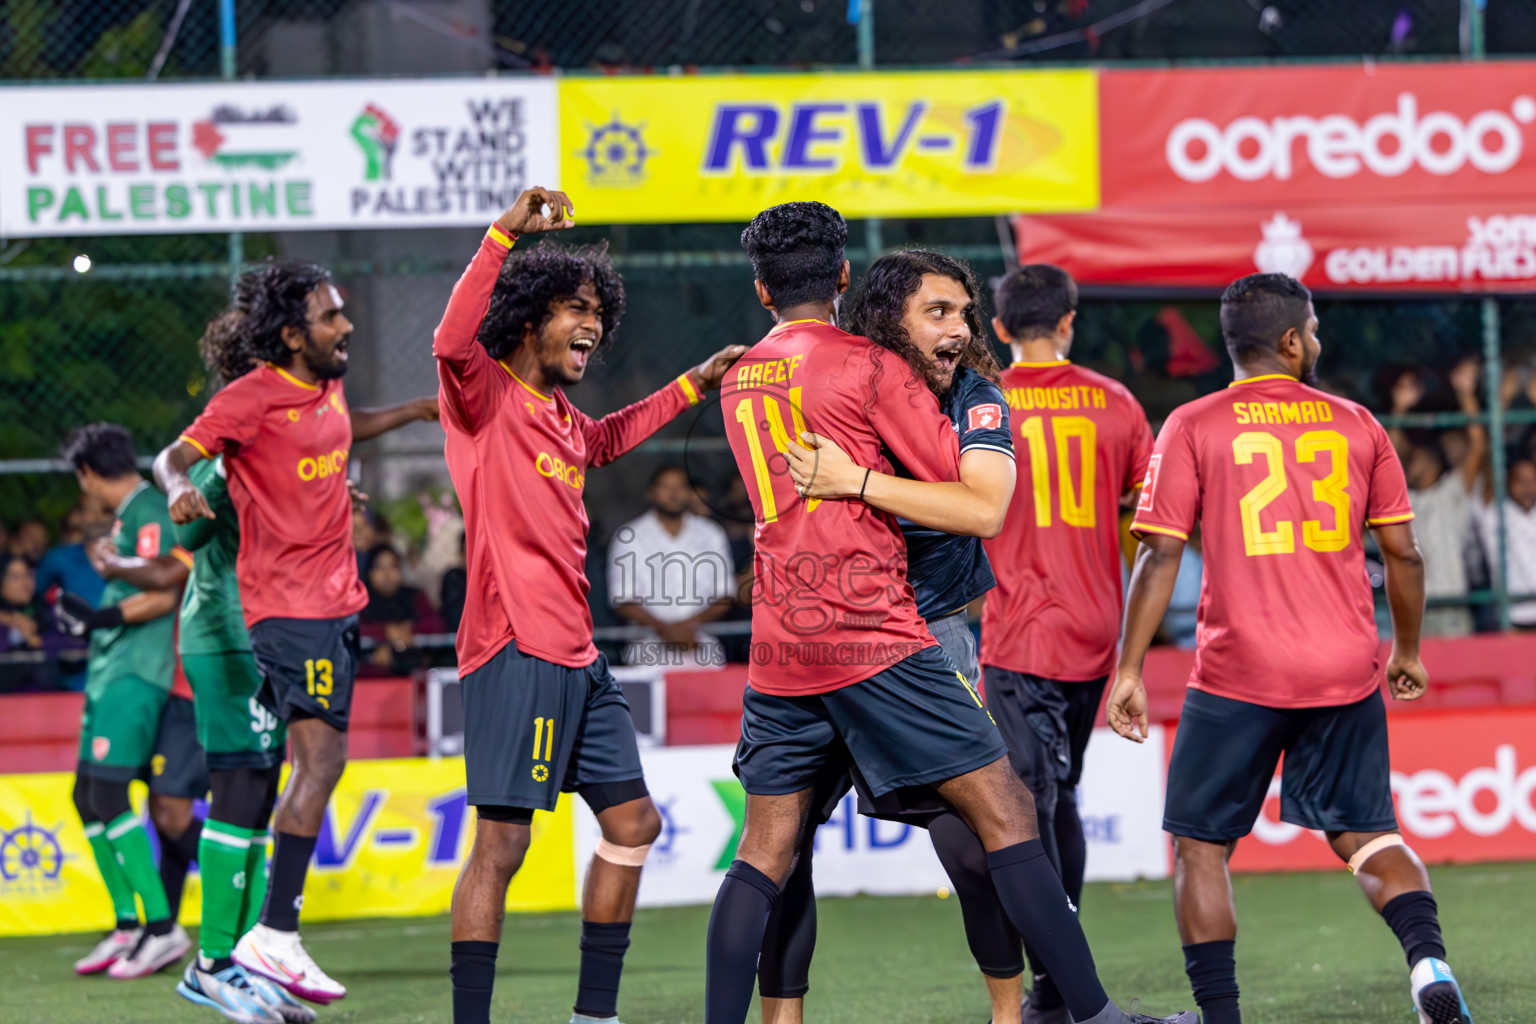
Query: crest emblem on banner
pixel 1283 250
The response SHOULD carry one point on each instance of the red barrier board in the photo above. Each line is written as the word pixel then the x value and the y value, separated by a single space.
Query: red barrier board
pixel 1483 245
pixel 1263 137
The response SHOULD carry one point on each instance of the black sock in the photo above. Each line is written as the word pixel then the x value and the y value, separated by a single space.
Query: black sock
pixel 285 881
pixel 219 963
pixel 602 961
pixel 1071 845
pixel 161 927
pixel 127 924
pixel 176 855
pixel 473 972
pixel 993 942
pixel 1414 919
pixel 1212 970
pixel 736 927
pixel 1031 893
pixel 784 969
pixel 1046 995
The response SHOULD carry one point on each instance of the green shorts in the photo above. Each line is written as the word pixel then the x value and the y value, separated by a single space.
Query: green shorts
pixel 235 729
pixel 118 729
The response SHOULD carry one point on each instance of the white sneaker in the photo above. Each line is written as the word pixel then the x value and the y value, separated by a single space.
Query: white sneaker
pixel 281 957
pixel 153 953
pixel 108 951
pixel 230 992
pixel 277 999
pixel 1436 995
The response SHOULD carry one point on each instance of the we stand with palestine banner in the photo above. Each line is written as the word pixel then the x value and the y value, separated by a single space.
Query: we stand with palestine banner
pixel 256 156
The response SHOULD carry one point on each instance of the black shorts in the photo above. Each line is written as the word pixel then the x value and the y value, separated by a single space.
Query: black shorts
pixel 534 729
pixel 1337 772
pixel 307 666
pixel 913 724
pixel 178 767
pixel 1047 724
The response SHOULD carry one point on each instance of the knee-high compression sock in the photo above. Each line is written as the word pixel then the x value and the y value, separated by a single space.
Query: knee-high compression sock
pixel 1415 920
pixel 176 856
pixel 1071 844
pixel 131 844
pixel 255 884
pixel 1212 970
pixel 602 962
pixel 736 926
pixel 473 973
pixel 992 939
pixel 285 886
pixel 784 970
pixel 124 909
pixel 222 853
pixel 1031 893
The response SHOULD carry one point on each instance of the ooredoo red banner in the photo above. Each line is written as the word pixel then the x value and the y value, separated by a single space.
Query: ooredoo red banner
pixel 1264 136
pixel 1447 246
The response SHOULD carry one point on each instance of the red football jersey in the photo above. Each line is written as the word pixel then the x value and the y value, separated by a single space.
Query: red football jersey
pixel 1081 442
pixel 1283 479
pixel 285 445
pixel 831 604
pixel 519 459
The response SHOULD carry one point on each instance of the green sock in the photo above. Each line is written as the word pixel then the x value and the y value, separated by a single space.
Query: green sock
pixel 131 844
pixel 112 873
pixel 255 882
pixel 222 853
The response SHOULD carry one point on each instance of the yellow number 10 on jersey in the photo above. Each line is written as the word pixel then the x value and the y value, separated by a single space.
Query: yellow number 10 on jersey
pixel 1331 490
pixel 1077 501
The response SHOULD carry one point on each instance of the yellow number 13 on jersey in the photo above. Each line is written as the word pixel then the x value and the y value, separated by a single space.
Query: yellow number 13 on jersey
pixel 1332 490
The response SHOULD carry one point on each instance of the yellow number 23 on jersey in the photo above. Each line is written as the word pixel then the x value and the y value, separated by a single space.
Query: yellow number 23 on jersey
pixel 1332 490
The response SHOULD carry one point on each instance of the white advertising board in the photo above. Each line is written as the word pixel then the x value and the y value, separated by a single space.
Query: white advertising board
pixel 253 156
pixel 702 806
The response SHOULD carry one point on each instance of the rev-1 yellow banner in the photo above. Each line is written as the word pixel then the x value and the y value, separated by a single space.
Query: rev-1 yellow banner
pixel 391 844
pixel 914 144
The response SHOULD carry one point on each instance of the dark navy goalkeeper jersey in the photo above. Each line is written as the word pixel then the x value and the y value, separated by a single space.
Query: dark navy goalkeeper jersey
pixel 948 572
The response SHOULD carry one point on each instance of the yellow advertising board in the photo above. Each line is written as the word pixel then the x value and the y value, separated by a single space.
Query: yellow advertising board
pixel 392 843
pixel 910 144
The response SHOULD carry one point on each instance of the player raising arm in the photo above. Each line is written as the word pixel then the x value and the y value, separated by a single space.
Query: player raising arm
pixel 1283 480
pixel 520 328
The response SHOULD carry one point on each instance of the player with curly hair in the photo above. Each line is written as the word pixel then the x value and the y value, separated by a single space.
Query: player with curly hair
pixel 925 307
pixel 276 439
pixel 857 673
pixel 520 328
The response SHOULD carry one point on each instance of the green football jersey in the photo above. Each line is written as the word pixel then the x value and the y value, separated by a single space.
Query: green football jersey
pixel 146 650
pixel 211 618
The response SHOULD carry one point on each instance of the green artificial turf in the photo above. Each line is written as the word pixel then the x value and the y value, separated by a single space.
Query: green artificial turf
pixel 1310 950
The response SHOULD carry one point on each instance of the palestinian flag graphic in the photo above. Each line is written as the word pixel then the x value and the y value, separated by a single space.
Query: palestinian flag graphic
pixel 235 138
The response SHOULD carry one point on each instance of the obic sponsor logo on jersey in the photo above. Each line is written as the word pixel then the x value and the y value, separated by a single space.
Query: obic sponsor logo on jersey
pixel 550 466
pixel 322 466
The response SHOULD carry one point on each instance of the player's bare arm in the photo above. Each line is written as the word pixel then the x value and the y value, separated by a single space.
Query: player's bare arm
pixel 1406 677
pixel 975 506
pixel 370 423
pixel 1157 567
pixel 148 605
pixel 181 494
pixel 163 572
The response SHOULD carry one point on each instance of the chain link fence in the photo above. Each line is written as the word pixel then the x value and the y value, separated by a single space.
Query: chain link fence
pixel 119 342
